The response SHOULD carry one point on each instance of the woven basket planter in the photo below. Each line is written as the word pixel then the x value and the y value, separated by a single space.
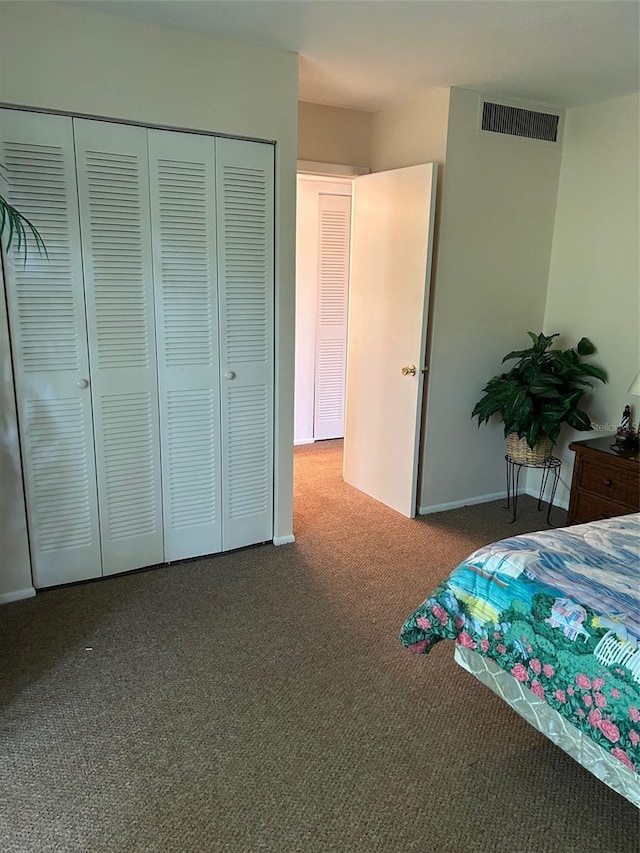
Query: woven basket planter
pixel 519 451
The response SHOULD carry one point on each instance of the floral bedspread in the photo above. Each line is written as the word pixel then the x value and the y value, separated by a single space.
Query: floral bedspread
pixel 560 611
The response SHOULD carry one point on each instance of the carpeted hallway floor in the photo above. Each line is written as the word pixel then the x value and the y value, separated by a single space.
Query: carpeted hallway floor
pixel 260 701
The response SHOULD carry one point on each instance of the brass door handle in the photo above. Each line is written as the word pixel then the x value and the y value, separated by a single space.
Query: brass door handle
pixel 409 371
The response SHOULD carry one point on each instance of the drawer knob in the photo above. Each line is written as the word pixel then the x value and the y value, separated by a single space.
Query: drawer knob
pixel 608 482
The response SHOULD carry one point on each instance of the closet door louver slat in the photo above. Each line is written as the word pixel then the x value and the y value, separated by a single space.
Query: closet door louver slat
pixel 331 324
pixel 113 183
pixel 245 204
pixel 185 274
pixel 47 316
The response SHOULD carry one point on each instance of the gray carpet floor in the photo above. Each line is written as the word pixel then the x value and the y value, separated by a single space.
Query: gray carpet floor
pixel 260 701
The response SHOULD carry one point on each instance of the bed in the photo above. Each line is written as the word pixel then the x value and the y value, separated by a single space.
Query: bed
pixel 551 622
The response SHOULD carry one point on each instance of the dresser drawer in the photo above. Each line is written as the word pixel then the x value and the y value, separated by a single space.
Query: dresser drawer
pixel 610 483
pixel 605 481
pixel 588 507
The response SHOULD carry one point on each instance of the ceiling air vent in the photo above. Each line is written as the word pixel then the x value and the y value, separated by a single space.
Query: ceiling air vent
pixel 515 121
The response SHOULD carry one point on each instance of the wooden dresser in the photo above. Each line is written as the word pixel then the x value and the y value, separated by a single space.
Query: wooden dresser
pixel 605 482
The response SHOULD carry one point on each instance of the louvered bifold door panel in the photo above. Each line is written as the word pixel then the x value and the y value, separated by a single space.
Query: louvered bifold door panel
pixel 245 203
pixel 183 214
pixel 47 319
pixel 334 224
pixel 113 184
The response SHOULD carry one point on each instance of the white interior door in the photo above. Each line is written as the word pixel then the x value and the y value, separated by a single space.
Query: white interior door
pixel 113 190
pixel 245 223
pixel 49 339
pixel 183 215
pixel 334 232
pixel 392 235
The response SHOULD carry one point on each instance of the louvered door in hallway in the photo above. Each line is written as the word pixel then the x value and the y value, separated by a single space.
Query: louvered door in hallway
pixel 143 347
pixel 322 298
pixel 334 213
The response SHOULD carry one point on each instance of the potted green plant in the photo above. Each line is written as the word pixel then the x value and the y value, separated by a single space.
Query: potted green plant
pixel 539 393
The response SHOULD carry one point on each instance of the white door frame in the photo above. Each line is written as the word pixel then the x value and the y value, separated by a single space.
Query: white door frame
pixel 336 175
pixel 334 171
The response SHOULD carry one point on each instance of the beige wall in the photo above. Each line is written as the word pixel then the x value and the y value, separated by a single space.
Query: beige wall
pixel 403 135
pixel 72 58
pixel 496 231
pixel 594 280
pixel 494 226
pixel 333 135
pixel 411 133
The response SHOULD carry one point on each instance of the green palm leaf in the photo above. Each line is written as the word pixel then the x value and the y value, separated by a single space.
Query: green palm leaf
pixel 18 228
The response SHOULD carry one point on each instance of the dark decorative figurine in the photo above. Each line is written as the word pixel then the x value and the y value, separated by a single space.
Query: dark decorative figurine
pixel 625 423
pixel 626 437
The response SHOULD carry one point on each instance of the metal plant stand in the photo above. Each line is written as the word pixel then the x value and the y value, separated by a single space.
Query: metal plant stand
pixel 549 468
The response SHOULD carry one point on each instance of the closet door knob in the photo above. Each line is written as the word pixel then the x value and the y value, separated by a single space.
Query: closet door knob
pixel 229 375
pixel 82 383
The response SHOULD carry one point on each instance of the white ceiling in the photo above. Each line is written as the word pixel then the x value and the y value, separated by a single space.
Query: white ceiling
pixel 369 54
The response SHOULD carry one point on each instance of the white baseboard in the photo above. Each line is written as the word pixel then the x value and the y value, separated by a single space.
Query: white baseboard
pixel 17 595
pixel 480 499
pixel 284 540
pixel 299 441
pixel 561 503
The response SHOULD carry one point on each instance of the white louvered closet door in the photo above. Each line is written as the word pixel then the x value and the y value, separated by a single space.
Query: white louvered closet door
pixel 245 222
pixel 47 317
pixel 182 172
pixel 113 188
pixel 334 226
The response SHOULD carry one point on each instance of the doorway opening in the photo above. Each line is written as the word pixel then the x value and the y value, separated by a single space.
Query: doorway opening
pixel 364 253
pixel 323 244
